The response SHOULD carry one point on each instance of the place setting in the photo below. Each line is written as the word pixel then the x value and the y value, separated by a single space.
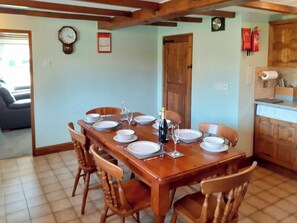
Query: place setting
pixel 92 118
pixel 214 144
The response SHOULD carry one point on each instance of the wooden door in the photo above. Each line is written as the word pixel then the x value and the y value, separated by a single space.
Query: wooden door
pixel 177 75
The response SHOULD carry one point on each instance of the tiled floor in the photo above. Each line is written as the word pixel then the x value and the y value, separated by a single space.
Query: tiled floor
pixel 38 190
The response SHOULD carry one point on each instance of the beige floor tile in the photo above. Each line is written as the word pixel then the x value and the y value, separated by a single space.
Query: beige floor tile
pixel 247 209
pixel 31 184
pixel 46 174
pixel 76 200
pixel 89 209
pixel 93 217
pixel 3 219
pixel 60 205
pixel 293 199
pixel 276 212
pixel 40 210
pixel 33 192
pixel 256 202
pixel 288 187
pixel 272 180
pixel 29 178
pixel 2 200
pixel 9 198
pixel 15 206
pixel 12 189
pixel 246 220
pixel 286 206
pixel 269 197
pixel 65 176
pixel 67 183
pixel 99 203
pixel 48 180
pixel 253 189
pixel 279 192
pixel 43 168
pixel 56 195
pixel 2 210
pixel 262 184
pixel 58 165
pixel 261 217
pixel 65 215
pixel 11 181
pixel 35 201
pixel 18 217
pixel 52 187
pixel 45 219
pixel 290 219
pixel 62 170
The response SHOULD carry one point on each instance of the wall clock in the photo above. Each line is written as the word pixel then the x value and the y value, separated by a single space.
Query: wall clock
pixel 67 35
pixel 217 24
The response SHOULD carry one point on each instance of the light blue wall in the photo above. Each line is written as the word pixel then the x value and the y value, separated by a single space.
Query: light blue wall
pixel 85 79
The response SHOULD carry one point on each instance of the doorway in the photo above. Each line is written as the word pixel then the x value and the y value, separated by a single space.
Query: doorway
pixel 177 75
pixel 16 75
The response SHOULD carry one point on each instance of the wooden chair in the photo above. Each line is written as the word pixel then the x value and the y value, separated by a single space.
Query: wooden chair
pixel 122 198
pixel 86 163
pixel 218 201
pixel 105 111
pixel 220 130
pixel 174 117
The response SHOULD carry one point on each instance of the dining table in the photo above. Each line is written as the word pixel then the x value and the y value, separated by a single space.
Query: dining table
pixel 160 171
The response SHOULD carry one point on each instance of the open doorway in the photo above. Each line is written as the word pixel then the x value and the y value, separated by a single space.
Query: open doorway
pixel 16 94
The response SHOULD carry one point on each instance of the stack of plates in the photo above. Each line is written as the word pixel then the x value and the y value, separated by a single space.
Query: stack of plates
pixel 105 125
pixel 144 119
pixel 189 135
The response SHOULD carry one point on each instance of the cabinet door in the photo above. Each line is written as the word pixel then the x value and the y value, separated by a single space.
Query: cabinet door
pixel 286 143
pixel 283 45
pixel 264 138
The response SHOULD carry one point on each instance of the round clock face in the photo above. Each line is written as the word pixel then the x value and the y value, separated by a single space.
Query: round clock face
pixel 216 23
pixel 67 35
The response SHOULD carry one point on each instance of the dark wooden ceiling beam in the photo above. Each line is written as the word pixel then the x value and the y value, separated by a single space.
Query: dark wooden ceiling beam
pixel 270 7
pixel 54 15
pixel 187 19
pixel 168 10
pixel 128 3
pixel 65 7
pixel 218 13
pixel 168 24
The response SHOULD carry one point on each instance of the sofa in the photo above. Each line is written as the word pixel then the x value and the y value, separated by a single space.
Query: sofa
pixel 15 108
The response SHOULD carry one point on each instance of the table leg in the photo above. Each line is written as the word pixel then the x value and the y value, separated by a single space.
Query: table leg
pixel 160 201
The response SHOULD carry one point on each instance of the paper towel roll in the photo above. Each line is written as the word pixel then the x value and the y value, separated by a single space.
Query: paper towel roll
pixel 269 75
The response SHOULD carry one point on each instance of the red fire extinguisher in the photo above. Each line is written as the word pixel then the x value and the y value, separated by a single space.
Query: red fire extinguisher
pixel 246 39
pixel 255 40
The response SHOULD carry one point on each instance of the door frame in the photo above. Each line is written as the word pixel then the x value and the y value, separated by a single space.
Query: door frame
pixel 187 123
pixel 31 81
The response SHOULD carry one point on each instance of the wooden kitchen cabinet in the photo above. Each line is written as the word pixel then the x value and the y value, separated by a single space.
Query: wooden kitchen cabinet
pixel 283 43
pixel 276 141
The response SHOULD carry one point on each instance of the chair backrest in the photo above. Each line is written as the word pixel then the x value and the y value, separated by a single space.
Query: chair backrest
pixel 84 158
pixel 230 191
pixel 105 111
pixel 174 117
pixel 220 130
pixel 110 177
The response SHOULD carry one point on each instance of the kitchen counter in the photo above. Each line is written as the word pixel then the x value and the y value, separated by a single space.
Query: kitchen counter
pixel 288 105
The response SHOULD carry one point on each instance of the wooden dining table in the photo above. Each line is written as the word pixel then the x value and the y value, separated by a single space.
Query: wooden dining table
pixel 163 173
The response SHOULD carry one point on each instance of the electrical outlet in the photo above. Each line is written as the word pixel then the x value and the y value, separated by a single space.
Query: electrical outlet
pixel 221 86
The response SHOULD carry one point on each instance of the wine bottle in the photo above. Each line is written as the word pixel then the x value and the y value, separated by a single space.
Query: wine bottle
pixel 163 128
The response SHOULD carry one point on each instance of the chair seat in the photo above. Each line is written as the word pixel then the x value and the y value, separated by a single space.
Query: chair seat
pixel 189 207
pixel 137 194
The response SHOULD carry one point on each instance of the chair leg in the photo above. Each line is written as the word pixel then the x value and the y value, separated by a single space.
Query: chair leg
pixel 122 219
pixel 86 190
pixel 103 216
pixel 173 218
pixel 172 196
pixel 137 217
pixel 76 181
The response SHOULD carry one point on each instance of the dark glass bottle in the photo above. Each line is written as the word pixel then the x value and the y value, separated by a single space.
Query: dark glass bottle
pixel 163 128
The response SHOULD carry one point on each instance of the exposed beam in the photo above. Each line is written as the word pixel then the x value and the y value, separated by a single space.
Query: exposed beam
pixel 54 15
pixel 270 7
pixel 128 3
pixel 168 24
pixel 65 7
pixel 168 10
pixel 218 13
pixel 187 19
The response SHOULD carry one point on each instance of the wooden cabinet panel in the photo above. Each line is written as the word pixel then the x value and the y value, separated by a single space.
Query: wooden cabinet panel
pixel 276 141
pixel 283 43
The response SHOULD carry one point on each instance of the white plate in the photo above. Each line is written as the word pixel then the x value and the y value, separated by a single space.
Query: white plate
pixel 143 147
pixel 104 125
pixel 116 138
pixel 156 126
pixel 144 119
pixel 222 149
pixel 189 135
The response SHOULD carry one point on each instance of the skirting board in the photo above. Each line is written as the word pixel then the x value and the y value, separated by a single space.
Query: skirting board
pixel 53 149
